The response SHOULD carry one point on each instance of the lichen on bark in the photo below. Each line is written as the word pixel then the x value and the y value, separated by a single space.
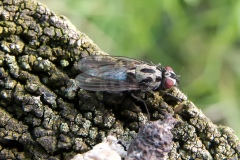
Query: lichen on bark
pixel 44 115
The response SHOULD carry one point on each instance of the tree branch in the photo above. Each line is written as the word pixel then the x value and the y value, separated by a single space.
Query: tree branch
pixel 44 115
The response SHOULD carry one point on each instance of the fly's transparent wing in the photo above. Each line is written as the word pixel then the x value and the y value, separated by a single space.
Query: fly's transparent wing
pixel 107 73
pixel 91 83
pixel 105 63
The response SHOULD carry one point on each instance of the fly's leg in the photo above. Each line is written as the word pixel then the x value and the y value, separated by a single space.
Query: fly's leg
pixel 171 95
pixel 139 99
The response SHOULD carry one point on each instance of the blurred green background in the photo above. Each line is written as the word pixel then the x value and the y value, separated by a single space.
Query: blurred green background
pixel 198 38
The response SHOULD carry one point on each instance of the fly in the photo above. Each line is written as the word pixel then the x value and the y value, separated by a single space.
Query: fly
pixel 117 74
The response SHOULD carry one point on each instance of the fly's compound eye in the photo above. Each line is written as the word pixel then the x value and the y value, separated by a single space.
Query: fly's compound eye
pixel 168 68
pixel 168 83
pixel 170 78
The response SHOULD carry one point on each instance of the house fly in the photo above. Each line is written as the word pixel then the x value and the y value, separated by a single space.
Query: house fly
pixel 117 74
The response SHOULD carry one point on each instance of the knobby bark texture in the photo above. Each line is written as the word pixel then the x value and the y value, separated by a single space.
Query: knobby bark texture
pixel 44 115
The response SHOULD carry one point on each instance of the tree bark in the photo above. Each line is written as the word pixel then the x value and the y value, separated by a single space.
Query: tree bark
pixel 44 115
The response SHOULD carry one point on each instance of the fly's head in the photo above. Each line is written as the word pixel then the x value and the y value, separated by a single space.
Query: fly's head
pixel 170 79
pixel 149 76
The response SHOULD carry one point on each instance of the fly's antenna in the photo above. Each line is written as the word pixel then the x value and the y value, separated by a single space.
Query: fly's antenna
pixel 178 76
pixel 139 99
pixel 182 69
pixel 177 79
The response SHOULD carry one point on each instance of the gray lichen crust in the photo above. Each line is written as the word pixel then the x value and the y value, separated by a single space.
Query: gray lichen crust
pixel 153 141
pixel 44 115
pixel 198 138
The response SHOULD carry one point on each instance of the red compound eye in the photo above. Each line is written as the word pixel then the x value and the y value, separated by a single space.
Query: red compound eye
pixel 168 68
pixel 168 83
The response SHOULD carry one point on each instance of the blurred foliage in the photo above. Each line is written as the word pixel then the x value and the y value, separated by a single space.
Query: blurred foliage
pixel 198 38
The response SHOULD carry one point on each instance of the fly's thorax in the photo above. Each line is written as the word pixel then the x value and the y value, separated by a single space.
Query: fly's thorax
pixel 148 75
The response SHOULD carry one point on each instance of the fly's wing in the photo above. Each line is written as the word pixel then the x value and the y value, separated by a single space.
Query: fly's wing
pixel 91 83
pixel 107 73
pixel 100 61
